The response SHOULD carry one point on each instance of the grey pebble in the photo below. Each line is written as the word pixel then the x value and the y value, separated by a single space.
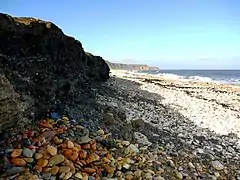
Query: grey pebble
pixel 46 176
pixel 15 170
pixel 28 152
pixel 217 165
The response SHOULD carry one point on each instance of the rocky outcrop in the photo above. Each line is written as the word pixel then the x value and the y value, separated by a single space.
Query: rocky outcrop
pixel 42 68
pixel 130 67
pixel 97 64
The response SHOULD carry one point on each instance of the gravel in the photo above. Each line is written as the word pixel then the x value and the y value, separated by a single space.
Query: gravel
pixel 196 119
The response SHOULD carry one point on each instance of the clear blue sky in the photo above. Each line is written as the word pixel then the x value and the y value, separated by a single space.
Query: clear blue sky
pixel 166 33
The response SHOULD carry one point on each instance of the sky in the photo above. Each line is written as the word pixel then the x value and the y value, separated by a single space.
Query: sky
pixel 170 34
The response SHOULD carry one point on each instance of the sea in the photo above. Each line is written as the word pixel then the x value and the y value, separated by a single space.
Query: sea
pixel 219 76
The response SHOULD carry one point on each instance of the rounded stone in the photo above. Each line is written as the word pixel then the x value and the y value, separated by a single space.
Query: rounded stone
pixel 52 150
pixel 38 156
pixel 64 169
pixel 138 173
pixel 54 170
pixel 217 165
pixel 70 144
pixel 16 153
pixel 57 159
pixel 28 152
pixel 78 175
pixel 42 162
pixel 67 176
pixel 131 149
pixel 129 177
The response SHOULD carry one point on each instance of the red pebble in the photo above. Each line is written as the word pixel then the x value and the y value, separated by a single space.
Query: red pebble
pixel 46 124
pixel 24 136
pixel 30 133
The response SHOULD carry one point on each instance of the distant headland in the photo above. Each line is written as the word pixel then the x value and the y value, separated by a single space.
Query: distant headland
pixel 125 66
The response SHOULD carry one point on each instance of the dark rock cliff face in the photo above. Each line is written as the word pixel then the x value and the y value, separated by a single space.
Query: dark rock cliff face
pixel 140 67
pixel 42 68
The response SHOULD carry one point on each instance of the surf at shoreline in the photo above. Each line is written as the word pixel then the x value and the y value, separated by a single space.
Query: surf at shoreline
pixel 231 77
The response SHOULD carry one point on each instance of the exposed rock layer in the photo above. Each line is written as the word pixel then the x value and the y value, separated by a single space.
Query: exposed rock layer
pixel 42 68
pixel 121 66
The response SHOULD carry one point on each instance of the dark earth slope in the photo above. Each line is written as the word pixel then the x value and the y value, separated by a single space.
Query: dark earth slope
pixel 41 68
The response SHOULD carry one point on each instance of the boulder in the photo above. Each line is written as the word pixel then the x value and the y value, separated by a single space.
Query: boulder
pixel 41 68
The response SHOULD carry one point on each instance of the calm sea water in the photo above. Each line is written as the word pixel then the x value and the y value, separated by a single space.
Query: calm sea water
pixel 222 76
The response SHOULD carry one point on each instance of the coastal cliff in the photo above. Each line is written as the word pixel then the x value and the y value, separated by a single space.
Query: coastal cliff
pixel 122 66
pixel 41 68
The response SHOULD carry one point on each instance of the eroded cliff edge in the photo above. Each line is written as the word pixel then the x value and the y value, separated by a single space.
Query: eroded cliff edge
pixel 41 68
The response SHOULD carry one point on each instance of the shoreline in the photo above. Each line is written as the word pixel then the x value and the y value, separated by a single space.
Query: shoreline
pixel 139 75
pixel 194 97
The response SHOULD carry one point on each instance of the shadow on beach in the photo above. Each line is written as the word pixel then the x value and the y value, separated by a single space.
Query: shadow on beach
pixel 168 137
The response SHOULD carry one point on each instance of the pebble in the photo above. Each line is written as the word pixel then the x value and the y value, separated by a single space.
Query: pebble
pixel 100 132
pixel 89 170
pixel 38 156
pixel 138 173
pixel 46 176
pixel 131 149
pixel 190 164
pixel 178 174
pixel 200 151
pixel 148 176
pixel 180 168
pixel 71 132
pixel 64 169
pixel 54 170
pixel 125 143
pixel 70 144
pixel 129 177
pixel 28 152
pixel 126 166
pixel 53 178
pixel 14 170
pixel 30 133
pixel 142 139
pixel 217 174
pixel 230 149
pixel 16 153
pixel 78 175
pixel 86 177
pixel 83 139
pixel 26 142
pixel 55 116
pixel 18 162
pixel 42 162
pixel 170 163
pixel 52 150
pixel 57 159
pixel 49 134
pixel 67 176
pixel 217 165
pixel 62 175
